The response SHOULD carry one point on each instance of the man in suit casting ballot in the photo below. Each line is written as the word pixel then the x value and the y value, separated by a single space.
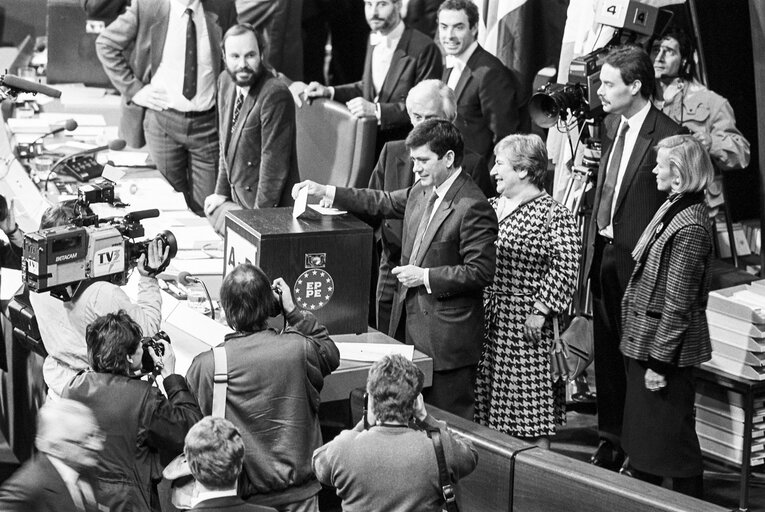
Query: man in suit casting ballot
pixel 256 117
pixel 625 201
pixel 447 258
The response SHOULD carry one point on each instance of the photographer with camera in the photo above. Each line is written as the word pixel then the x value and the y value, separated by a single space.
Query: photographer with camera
pixel 63 324
pixel 143 428
pixel 274 380
pixel 392 465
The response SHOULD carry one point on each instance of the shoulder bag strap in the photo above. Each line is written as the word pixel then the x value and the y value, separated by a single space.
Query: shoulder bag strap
pixel 447 489
pixel 220 382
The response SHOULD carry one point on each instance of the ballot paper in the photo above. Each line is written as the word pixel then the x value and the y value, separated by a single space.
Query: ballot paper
pixel 10 283
pixel 300 203
pixel 371 352
pixel 326 211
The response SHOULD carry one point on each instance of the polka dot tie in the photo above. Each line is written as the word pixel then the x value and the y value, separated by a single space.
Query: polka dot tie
pixel 190 66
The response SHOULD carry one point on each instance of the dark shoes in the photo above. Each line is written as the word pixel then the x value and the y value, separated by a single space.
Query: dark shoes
pixel 607 456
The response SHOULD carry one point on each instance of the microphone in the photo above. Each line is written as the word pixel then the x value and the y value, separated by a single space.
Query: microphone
pixel 30 150
pixel 186 279
pixel 20 85
pixel 113 145
pixel 142 214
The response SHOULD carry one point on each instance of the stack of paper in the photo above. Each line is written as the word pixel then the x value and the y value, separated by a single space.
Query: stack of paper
pixel 736 318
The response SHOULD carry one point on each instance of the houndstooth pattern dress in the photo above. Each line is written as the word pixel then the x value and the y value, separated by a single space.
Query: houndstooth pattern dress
pixel 537 260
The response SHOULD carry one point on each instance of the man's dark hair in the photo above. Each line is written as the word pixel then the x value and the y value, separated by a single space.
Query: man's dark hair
pixel 260 38
pixel 468 6
pixel 687 65
pixel 439 136
pixel 247 298
pixel 634 64
pixel 60 214
pixel 394 383
pixel 215 452
pixel 111 339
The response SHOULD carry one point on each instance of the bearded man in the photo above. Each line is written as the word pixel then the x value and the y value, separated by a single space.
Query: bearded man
pixel 256 119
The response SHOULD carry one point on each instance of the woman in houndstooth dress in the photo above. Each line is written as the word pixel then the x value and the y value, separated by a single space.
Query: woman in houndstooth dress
pixel 537 266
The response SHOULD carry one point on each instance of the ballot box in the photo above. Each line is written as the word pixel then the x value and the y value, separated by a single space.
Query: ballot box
pixel 326 260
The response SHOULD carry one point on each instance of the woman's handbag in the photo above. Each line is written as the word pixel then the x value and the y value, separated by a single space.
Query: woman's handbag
pixel 184 487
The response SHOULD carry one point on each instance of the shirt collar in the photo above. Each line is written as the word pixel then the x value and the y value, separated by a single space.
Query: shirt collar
pixel 460 60
pixel 68 475
pixel 391 39
pixel 243 90
pixel 209 495
pixel 637 120
pixel 444 187
pixel 181 6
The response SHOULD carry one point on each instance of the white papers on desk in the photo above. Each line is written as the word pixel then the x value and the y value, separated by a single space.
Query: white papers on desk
pixel 371 352
pixel 28 203
pixel 128 158
pixel 10 283
pixel 326 211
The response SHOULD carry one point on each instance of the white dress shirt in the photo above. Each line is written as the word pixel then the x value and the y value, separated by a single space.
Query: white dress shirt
pixel 77 488
pixel 169 76
pixel 457 63
pixel 635 123
pixel 382 54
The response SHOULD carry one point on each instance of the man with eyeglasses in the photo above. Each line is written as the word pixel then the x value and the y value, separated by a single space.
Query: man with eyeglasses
pixel 58 477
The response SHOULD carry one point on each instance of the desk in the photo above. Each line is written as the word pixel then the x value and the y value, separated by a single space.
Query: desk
pixel 750 391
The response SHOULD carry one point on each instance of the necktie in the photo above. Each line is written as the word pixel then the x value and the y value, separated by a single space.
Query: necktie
pixel 190 67
pixel 423 227
pixel 607 196
pixel 237 109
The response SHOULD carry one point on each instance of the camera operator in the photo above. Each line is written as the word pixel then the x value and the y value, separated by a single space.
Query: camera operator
pixel 140 424
pixel 392 466
pixel 10 253
pixel 274 383
pixel 62 324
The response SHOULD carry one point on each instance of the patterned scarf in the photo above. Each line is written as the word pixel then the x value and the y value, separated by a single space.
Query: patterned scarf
pixel 654 227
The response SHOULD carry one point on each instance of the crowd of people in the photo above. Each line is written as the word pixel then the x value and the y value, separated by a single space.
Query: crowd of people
pixel 476 262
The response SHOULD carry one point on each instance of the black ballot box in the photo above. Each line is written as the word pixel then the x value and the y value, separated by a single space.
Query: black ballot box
pixel 326 260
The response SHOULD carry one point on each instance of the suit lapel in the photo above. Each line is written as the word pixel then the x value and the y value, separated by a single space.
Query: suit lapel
pixel 397 65
pixel 54 485
pixel 367 82
pixel 247 104
pixel 467 73
pixel 444 210
pixel 227 96
pixel 214 35
pixel 642 146
pixel 610 132
pixel 404 174
pixel 159 34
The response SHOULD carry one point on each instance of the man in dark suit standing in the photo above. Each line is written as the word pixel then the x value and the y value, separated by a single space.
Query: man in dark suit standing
pixel 448 257
pixel 164 58
pixel 57 478
pixel 256 116
pixel 214 450
pixel 428 99
pixel 626 199
pixel 397 58
pixel 487 101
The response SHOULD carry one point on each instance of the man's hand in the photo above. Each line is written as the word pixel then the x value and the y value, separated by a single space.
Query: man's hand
pixel 166 363
pixel 212 202
pixel 704 137
pixel 155 259
pixel 286 296
pixel 532 329
pixel 314 189
pixel 151 97
pixel 315 90
pixel 420 413
pixel 360 107
pixel 409 275
pixel 297 89
pixel 8 225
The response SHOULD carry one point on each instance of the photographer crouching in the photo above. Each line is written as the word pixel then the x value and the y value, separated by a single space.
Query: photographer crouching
pixel 140 423
pixel 392 465
pixel 63 324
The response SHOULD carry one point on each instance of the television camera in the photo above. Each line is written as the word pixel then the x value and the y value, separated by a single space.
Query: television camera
pixel 89 248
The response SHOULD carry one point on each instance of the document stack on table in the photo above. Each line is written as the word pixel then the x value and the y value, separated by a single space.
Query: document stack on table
pixel 736 318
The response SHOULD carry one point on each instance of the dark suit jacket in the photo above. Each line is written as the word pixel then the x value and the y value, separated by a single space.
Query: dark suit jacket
pixel 37 487
pixel 416 58
pixel 258 161
pixel 638 197
pixel 130 50
pixel 458 249
pixel 487 103
pixel 231 504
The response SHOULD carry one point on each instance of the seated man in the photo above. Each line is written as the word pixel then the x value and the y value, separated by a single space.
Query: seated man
pixel 58 478
pixel 392 465
pixel 215 452
pixel 274 382
pixel 10 253
pixel 62 324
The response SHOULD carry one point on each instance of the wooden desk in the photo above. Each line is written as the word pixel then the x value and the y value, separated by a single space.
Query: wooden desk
pixel 750 390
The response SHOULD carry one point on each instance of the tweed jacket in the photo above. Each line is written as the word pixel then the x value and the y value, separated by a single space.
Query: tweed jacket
pixel 663 309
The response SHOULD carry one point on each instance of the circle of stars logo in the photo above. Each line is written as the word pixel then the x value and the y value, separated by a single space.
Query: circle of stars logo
pixel 313 289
